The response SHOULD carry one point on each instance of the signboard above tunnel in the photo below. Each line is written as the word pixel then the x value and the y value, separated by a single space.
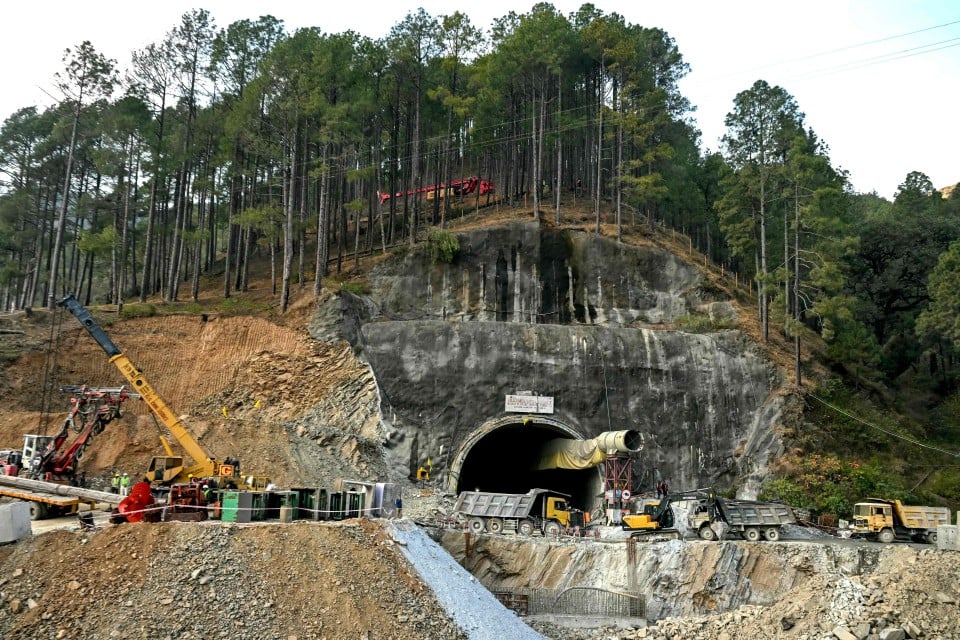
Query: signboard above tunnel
pixel 529 404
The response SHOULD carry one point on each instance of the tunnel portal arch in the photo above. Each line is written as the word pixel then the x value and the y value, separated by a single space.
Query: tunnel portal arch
pixel 502 456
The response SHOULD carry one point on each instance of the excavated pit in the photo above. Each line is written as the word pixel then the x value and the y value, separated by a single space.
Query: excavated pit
pixel 505 460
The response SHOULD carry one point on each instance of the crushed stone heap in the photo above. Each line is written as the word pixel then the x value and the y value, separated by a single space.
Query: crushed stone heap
pixel 214 581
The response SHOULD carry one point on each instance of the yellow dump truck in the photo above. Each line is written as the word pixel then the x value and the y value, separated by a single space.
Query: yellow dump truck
pixel 537 510
pixel 886 520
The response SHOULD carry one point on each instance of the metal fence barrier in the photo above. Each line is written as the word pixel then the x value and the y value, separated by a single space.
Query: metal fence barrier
pixel 582 601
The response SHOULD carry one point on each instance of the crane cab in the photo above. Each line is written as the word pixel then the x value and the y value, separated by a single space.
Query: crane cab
pixel 164 469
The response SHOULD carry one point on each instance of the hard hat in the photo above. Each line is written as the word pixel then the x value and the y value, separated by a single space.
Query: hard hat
pixel 116 473
pixel 206 486
pixel 126 474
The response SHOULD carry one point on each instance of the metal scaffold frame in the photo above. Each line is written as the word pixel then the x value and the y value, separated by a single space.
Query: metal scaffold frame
pixel 617 473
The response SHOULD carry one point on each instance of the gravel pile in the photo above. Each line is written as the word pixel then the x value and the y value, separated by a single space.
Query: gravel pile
pixel 217 581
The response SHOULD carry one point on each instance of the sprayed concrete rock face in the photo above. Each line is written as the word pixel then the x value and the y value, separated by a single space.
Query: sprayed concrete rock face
pixel 573 317
pixel 733 589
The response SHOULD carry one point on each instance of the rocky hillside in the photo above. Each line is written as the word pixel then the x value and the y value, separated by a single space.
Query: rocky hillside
pixel 300 410
pixel 617 335
pixel 413 366
pixel 813 588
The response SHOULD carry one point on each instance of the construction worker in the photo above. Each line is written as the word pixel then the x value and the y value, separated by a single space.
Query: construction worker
pixel 662 489
pixel 207 493
pixel 125 485
pixel 115 483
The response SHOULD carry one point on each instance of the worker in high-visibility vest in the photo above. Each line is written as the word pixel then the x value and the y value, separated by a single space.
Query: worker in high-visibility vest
pixel 115 483
pixel 125 485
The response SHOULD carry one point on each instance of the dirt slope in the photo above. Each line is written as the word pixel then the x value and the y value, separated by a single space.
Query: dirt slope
pixel 213 581
pixel 302 411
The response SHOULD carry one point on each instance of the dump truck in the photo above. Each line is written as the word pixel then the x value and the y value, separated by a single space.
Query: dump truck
pixel 537 510
pixel 751 519
pixel 887 520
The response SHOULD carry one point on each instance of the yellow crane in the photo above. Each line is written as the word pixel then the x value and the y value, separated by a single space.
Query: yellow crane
pixel 168 469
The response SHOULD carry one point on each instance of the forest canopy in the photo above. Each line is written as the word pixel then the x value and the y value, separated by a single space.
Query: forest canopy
pixel 219 143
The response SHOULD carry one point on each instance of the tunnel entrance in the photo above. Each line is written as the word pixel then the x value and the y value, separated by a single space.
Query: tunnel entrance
pixel 503 457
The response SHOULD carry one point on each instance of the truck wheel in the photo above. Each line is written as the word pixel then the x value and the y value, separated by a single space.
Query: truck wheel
pixel 885 536
pixel 932 537
pixel 525 528
pixel 38 511
pixel 751 534
pixel 495 525
pixel 551 529
pixel 706 533
pixel 476 525
pixel 772 534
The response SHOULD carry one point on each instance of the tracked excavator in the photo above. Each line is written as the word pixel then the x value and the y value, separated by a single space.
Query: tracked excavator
pixel 656 520
pixel 168 469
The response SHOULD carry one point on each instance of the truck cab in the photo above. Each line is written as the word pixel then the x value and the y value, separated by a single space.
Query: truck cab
pixel 872 517
pixel 885 520
pixel 557 509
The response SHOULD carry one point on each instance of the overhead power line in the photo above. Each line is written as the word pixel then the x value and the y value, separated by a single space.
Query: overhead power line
pixel 899 436
pixel 844 48
pixel 883 58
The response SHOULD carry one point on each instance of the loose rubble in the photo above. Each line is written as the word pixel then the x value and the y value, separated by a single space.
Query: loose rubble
pixel 215 581
pixel 911 594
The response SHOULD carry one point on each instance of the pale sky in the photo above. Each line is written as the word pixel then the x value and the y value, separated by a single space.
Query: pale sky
pixel 878 80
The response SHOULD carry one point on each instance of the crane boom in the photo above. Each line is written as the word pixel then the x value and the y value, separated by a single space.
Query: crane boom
pixel 204 462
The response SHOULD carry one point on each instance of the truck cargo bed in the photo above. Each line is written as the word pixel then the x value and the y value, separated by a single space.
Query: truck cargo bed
pixel 741 513
pixel 496 505
pixel 924 517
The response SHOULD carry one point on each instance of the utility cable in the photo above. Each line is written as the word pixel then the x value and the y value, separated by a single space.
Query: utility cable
pixel 882 58
pixel 850 47
pixel 879 428
pixel 50 368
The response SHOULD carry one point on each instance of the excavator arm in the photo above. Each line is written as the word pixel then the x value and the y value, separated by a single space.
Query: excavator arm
pixel 204 463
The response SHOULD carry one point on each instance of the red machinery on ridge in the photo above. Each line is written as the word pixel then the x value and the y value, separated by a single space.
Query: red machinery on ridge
pixel 456 189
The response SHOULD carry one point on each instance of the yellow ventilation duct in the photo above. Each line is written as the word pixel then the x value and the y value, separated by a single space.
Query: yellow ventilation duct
pixel 566 453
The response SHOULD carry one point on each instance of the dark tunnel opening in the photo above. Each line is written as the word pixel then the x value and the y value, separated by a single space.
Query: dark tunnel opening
pixel 505 461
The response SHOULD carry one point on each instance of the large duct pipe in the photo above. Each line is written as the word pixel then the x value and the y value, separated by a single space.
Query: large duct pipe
pixel 619 441
pixel 566 453
pixel 40 486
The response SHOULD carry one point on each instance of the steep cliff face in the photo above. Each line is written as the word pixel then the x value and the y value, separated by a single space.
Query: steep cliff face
pixel 521 273
pixel 678 578
pixel 567 315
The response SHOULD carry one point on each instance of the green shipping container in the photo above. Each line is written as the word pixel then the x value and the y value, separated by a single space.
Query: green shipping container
pixel 236 506
pixel 259 505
